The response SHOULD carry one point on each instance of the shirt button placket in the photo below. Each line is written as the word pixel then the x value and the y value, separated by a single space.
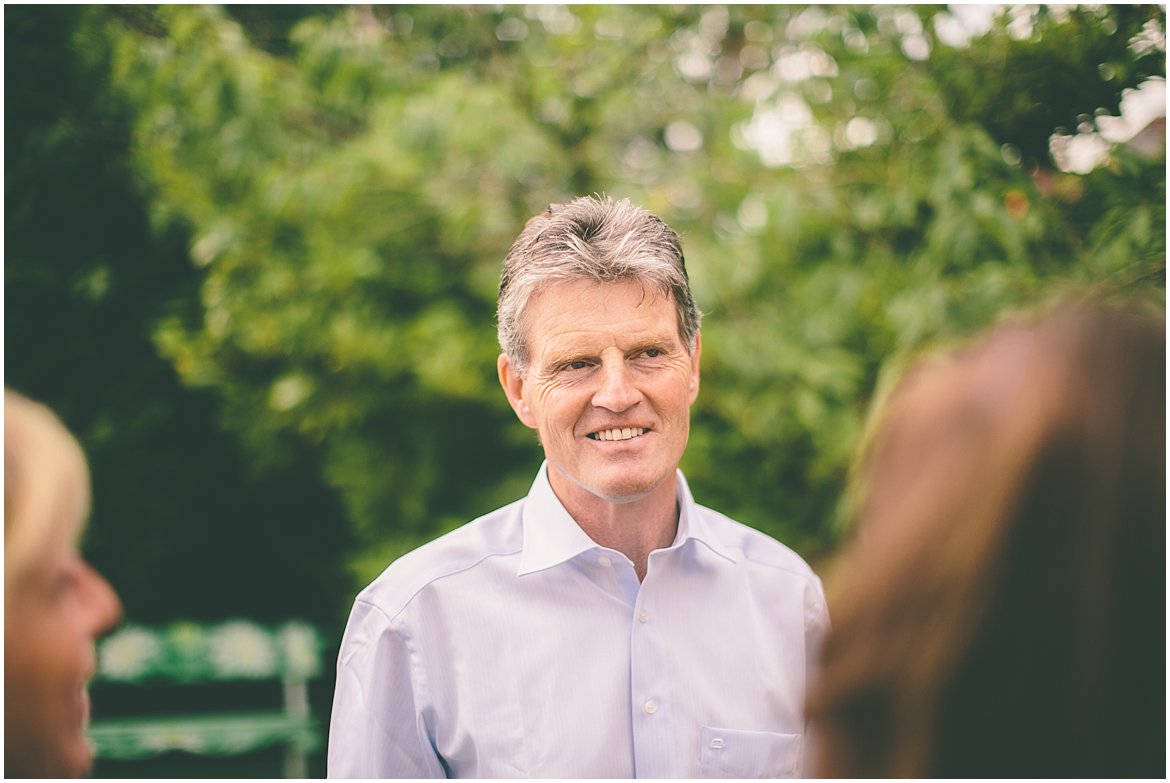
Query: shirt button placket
pixel 653 732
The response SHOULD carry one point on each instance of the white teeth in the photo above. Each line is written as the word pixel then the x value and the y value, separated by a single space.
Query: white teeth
pixel 620 434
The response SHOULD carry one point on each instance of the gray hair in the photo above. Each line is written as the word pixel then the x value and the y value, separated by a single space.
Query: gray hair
pixel 591 239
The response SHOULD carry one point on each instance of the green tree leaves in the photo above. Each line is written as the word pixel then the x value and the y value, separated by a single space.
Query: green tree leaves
pixel 850 183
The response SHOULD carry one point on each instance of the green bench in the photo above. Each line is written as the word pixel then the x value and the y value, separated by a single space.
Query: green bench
pixel 191 654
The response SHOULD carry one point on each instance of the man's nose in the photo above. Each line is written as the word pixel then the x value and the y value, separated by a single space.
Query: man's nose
pixel 617 391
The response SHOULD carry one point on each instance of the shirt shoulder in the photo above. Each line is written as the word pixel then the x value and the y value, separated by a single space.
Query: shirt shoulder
pixel 773 565
pixel 494 535
pixel 754 546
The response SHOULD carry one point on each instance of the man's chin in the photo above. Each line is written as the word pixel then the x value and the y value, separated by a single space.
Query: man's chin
pixel 624 489
pixel 614 485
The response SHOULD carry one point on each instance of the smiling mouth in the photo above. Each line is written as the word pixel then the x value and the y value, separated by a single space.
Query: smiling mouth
pixel 621 433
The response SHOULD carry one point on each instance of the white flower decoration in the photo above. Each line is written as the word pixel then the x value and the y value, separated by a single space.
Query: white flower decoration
pixel 127 654
pixel 300 650
pixel 238 648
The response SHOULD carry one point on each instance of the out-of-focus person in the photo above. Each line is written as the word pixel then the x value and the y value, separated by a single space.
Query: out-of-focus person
pixel 55 604
pixel 1000 611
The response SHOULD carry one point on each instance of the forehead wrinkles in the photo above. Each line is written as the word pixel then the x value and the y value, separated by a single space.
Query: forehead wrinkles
pixel 610 319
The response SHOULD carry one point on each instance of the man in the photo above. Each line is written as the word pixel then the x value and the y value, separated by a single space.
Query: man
pixel 605 625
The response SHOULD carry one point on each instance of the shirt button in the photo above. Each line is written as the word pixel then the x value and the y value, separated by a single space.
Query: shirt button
pixel 643 616
pixel 605 561
pixel 650 707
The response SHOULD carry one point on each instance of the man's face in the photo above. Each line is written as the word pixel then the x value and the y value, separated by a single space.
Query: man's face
pixel 608 389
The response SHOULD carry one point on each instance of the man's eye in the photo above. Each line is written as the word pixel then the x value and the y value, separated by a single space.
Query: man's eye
pixel 580 364
pixel 653 353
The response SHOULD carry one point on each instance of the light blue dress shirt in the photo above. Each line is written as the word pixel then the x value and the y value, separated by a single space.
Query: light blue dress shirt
pixel 517 647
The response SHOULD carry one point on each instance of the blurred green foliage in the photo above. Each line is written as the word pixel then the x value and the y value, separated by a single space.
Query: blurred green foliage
pixel 316 202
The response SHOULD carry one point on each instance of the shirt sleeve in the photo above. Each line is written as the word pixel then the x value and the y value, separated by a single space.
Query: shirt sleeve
pixel 816 618
pixel 816 622
pixel 377 729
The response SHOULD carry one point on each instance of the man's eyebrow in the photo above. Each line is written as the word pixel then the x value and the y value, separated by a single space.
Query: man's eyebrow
pixel 657 341
pixel 666 341
pixel 555 357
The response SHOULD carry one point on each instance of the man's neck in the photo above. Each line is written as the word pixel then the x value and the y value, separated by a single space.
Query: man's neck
pixel 635 528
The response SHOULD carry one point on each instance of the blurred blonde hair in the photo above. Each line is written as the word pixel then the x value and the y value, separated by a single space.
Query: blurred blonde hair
pixel 46 486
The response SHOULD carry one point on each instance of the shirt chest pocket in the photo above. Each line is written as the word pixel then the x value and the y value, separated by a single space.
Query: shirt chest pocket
pixel 730 753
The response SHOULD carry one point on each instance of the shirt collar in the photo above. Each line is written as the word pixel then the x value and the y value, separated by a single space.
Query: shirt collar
pixel 552 537
pixel 694 526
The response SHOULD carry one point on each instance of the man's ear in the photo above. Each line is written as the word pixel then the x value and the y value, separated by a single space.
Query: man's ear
pixel 513 385
pixel 695 367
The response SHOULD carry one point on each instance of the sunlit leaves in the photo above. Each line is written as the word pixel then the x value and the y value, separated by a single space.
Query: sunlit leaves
pixel 851 182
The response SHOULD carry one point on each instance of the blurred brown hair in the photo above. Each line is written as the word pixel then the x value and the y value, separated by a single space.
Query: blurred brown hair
pixel 1001 610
